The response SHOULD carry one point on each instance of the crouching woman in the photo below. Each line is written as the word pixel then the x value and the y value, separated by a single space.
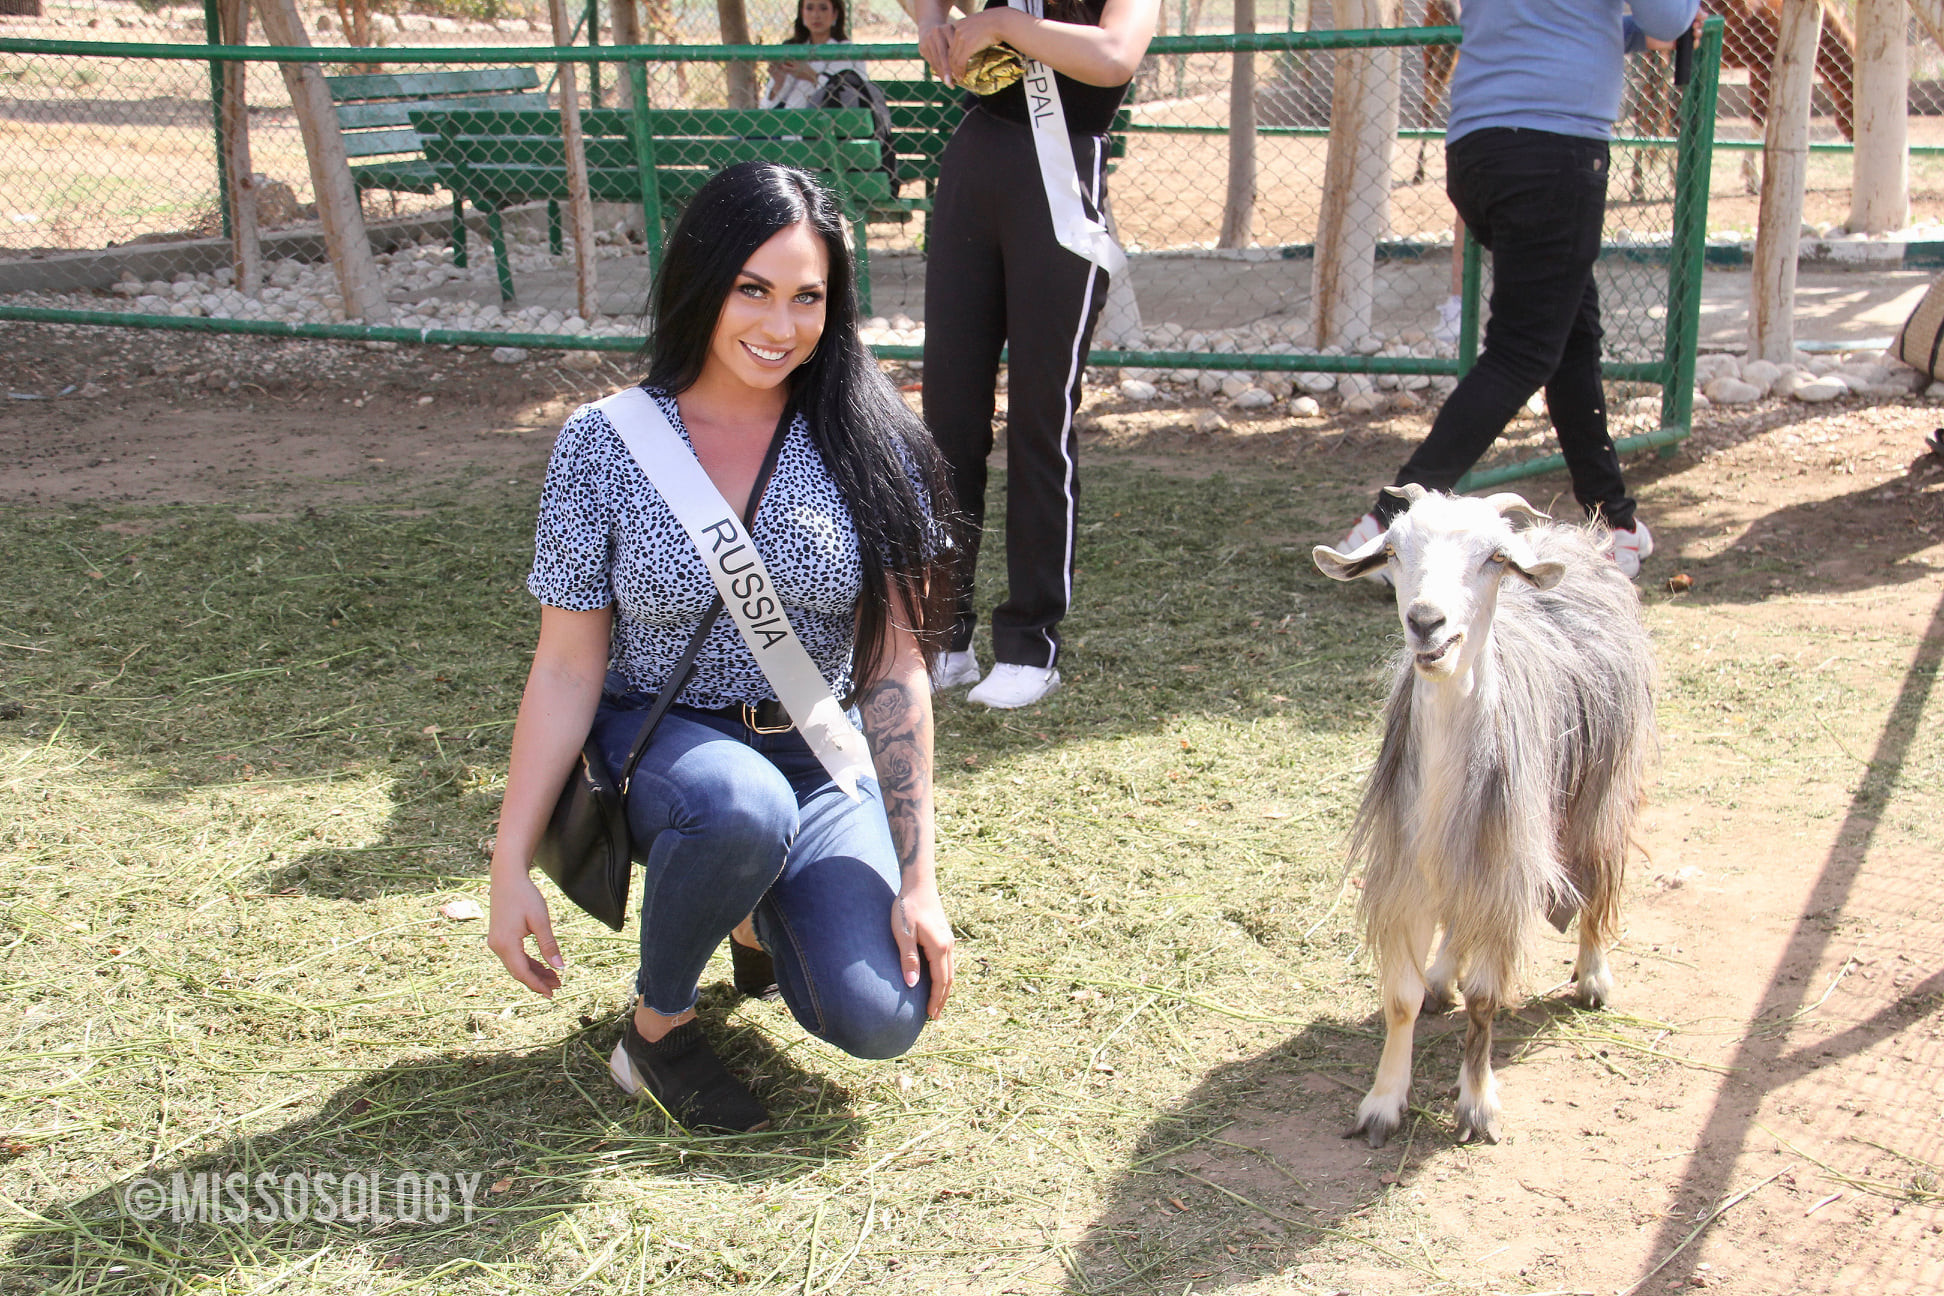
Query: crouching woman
pixel 739 830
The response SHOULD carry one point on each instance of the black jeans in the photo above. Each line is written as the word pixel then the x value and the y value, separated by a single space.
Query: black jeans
pixel 994 275
pixel 1537 200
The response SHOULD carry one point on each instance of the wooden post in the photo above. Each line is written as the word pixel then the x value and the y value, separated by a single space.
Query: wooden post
pixel 627 31
pixel 1355 211
pixel 1880 172
pixel 580 206
pixel 735 31
pixel 1785 162
pixel 337 197
pixel 1238 209
pixel 246 253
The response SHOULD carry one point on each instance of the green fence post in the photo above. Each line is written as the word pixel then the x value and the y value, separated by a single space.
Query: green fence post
pixel 1471 305
pixel 593 40
pixel 644 142
pixel 213 26
pixel 1694 168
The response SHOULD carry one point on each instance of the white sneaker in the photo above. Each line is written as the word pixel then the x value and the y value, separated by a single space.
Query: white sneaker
pixel 1011 686
pixel 1631 547
pixel 1446 333
pixel 951 669
pixel 1368 528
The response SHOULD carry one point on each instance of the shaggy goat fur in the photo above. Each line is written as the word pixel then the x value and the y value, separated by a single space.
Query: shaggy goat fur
pixel 1505 792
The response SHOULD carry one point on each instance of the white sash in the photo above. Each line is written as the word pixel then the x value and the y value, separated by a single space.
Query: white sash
pixel 745 585
pixel 1075 231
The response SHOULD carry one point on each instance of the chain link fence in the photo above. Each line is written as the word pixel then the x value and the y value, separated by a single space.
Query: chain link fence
pixel 1280 194
pixel 1750 32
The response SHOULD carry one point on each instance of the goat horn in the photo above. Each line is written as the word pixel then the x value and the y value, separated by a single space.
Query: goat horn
pixel 1409 490
pixel 1506 503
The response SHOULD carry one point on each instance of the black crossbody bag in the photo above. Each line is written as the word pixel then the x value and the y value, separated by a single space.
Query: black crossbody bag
pixel 587 849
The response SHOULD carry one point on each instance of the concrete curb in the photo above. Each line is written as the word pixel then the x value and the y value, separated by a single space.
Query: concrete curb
pixel 79 271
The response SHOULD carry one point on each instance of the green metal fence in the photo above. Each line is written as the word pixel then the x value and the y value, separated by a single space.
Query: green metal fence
pixel 1238 314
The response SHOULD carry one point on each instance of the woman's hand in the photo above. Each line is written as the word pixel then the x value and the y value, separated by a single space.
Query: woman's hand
pixel 935 43
pixel 982 30
pixel 918 923
pixel 516 909
pixel 799 70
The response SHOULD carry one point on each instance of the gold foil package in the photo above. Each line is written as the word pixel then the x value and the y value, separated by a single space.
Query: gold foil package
pixel 992 69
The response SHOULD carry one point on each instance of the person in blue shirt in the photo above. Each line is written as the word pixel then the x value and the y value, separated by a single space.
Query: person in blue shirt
pixel 1533 100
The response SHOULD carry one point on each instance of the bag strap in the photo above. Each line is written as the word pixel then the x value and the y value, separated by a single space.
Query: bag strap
pixel 678 677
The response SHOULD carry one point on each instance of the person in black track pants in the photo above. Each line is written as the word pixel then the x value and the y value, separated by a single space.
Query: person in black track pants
pixel 1018 256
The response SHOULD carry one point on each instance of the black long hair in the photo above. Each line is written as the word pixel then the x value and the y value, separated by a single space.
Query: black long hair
pixel 800 35
pixel 878 452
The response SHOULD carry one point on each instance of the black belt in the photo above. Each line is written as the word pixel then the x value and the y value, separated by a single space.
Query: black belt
pixel 765 717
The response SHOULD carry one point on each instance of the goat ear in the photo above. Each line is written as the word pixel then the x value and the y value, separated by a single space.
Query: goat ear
pixel 1351 566
pixel 1540 575
pixel 1408 491
pixel 1508 503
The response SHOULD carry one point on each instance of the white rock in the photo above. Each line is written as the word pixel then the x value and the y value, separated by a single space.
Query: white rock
pixel 1234 384
pixel 1404 402
pixel 1761 373
pixel 1278 384
pixel 1536 404
pixel 1701 401
pixel 1415 382
pixel 1785 380
pixel 1254 399
pixel 1387 382
pixel 1641 405
pixel 1733 391
pixel 508 355
pixel 126 289
pixel 1209 421
pixel 1818 390
pixel 1935 391
pixel 582 360
pixel 1363 403
pixel 1369 344
pixel 1317 382
pixel 1135 389
pixel 1208 382
pixel 1306 406
pixel 1355 384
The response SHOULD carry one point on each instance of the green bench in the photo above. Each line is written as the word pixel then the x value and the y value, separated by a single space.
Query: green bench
pixel 923 116
pixel 374 117
pixel 499 159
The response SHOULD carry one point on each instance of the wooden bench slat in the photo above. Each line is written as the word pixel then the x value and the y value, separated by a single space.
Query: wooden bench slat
pixel 426 85
pixel 397 112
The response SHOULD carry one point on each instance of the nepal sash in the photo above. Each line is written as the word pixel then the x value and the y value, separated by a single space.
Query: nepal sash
pixel 1075 231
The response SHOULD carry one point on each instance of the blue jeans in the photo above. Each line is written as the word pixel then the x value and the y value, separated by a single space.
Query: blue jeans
pixel 1536 201
pixel 726 822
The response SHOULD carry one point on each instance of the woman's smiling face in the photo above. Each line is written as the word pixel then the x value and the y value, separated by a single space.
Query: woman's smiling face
pixel 774 314
pixel 819 16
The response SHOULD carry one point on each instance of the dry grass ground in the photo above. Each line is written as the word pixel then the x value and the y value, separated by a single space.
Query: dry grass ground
pixel 259 654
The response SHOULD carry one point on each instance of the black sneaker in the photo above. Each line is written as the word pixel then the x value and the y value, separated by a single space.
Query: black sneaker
pixel 685 1077
pixel 754 970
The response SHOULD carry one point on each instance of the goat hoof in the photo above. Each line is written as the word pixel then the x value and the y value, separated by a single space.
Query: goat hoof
pixel 1594 990
pixel 1375 1126
pixel 1437 1002
pixel 1479 1125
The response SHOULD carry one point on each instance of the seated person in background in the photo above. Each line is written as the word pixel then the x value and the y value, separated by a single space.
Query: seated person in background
pixel 793 84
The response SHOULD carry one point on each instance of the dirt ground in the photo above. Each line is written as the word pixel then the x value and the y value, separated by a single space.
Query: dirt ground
pixel 1788 930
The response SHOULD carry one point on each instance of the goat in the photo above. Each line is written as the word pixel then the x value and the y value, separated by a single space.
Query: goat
pixel 1516 743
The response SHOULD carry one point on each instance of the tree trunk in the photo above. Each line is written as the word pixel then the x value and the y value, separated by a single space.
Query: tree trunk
pixel 1931 14
pixel 1785 160
pixel 627 31
pixel 1238 211
pixel 1880 175
pixel 580 205
pixel 246 252
pixel 735 31
pixel 1356 180
pixel 20 8
pixel 337 198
